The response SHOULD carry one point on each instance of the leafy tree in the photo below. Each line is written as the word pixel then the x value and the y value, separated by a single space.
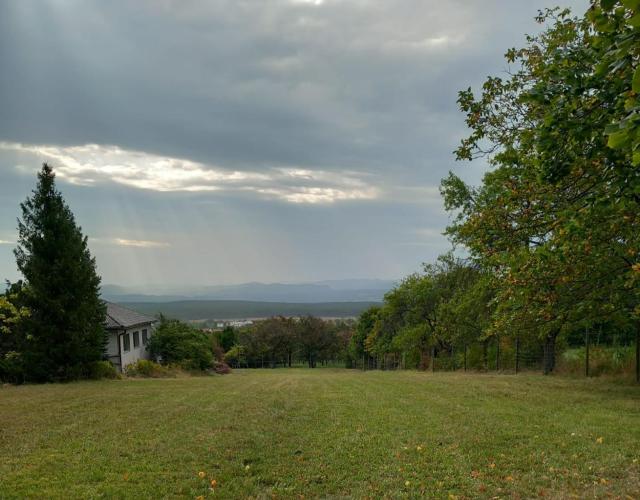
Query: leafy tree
pixel 314 339
pixel 408 319
pixel 341 331
pixel 10 314
pixel 11 338
pixel 277 339
pixel 174 342
pixel 227 338
pixel 465 317
pixel 236 356
pixel 617 41
pixel 65 330
pixel 448 304
pixel 357 349
pixel 554 221
pixel 281 341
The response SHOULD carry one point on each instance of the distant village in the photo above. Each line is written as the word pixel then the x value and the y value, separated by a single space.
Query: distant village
pixel 234 323
pixel 215 325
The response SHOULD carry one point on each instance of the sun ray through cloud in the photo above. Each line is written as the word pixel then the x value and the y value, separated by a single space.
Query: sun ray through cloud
pixel 92 164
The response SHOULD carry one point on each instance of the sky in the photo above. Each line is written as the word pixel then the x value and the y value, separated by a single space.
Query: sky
pixel 230 141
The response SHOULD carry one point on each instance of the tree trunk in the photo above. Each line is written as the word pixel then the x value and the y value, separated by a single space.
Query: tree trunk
pixel 550 353
pixel 485 354
pixel 465 357
pixel 638 354
pixel 433 359
pixel 586 352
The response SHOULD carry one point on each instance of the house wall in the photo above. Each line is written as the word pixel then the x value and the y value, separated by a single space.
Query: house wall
pixel 112 348
pixel 134 353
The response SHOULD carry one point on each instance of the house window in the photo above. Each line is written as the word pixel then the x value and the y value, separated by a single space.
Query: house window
pixel 136 339
pixel 144 337
pixel 126 342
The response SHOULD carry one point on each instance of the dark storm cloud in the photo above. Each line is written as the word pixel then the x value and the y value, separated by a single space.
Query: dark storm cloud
pixel 358 84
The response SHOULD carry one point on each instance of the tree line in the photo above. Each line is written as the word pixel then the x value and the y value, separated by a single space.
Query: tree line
pixel 553 230
pixel 285 342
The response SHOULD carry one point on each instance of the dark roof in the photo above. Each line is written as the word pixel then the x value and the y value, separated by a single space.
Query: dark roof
pixel 120 317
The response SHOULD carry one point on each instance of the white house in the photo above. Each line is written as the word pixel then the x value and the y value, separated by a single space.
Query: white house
pixel 129 332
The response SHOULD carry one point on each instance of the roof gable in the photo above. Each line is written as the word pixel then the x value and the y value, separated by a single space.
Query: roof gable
pixel 121 317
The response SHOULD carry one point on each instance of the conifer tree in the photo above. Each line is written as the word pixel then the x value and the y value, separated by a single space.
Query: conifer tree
pixel 65 331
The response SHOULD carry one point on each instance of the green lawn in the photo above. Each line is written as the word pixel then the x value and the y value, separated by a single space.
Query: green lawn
pixel 287 433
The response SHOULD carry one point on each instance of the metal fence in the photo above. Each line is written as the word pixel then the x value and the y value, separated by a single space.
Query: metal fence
pixel 588 355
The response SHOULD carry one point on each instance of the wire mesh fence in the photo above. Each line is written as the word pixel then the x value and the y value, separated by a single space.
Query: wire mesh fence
pixel 586 356
pixel 495 354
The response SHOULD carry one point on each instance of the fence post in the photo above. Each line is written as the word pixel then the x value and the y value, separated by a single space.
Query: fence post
pixel 586 357
pixel 465 357
pixel 485 355
pixel 497 353
pixel 453 358
pixel 433 360
pixel 638 354
pixel 517 354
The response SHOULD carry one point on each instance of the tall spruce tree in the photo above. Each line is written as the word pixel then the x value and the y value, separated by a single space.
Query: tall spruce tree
pixel 65 331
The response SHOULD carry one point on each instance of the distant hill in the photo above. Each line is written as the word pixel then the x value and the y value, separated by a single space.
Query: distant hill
pixel 351 290
pixel 191 310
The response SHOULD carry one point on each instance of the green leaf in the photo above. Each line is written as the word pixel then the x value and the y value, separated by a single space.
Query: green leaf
pixel 608 4
pixel 634 5
pixel 635 82
pixel 603 25
pixel 602 69
pixel 617 139
pixel 635 20
pixel 612 128
pixel 594 13
pixel 636 159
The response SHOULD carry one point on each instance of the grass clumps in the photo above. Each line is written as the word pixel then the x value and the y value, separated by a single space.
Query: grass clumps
pixel 150 369
pixel 103 369
pixel 617 361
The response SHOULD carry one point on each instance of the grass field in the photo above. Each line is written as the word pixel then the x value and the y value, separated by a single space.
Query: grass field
pixel 293 433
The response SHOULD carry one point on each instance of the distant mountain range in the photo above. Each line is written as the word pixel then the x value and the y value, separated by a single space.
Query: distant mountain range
pixel 348 290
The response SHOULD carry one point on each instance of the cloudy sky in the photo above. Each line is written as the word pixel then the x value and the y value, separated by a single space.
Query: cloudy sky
pixel 246 140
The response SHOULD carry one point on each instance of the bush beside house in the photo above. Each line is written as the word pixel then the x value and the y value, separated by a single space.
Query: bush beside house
pixel 177 344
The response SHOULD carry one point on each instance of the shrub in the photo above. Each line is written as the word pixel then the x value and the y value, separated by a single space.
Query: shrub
pixel 147 368
pixel 103 369
pixel 222 368
pixel 235 356
pixel 192 365
pixel 602 360
pixel 174 342
pixel 12 367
